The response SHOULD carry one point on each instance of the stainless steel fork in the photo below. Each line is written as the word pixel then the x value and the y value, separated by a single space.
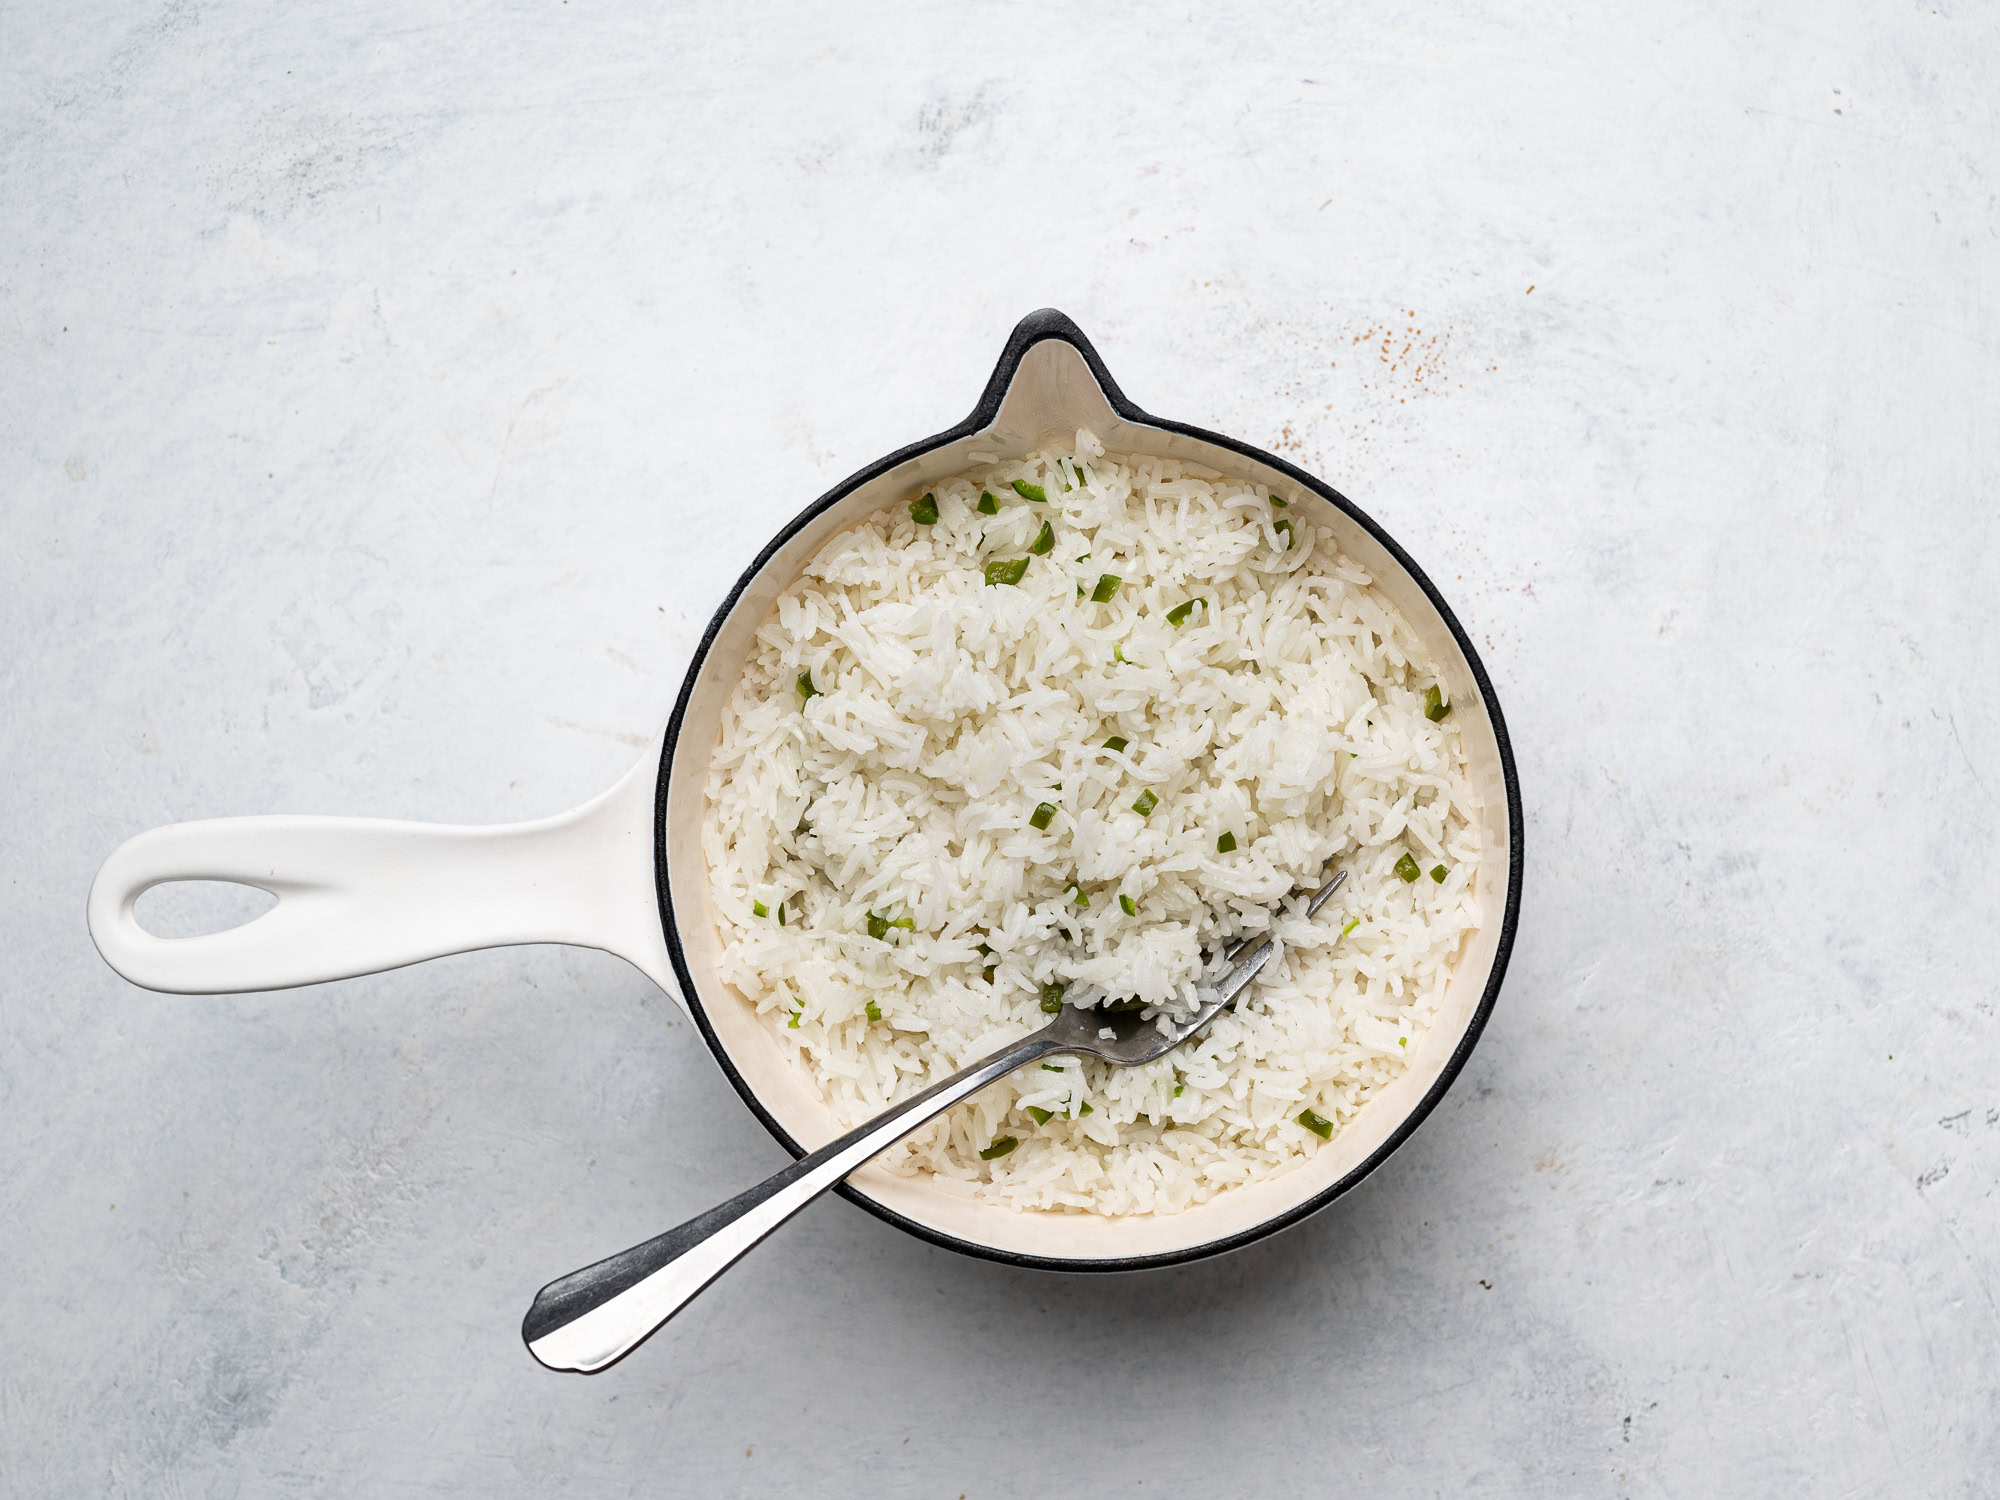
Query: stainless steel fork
pixel 590 1318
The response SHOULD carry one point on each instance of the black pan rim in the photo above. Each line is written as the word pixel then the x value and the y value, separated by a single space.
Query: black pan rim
pixel 1037 327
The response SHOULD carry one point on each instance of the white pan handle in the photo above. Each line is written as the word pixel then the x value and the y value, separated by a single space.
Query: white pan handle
pixel 357 895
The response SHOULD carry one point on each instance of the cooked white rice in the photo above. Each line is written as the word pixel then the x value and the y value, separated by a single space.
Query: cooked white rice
pixel 1285 710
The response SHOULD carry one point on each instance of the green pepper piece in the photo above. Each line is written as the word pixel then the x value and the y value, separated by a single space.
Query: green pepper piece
pixel 1000 1147
pixel 1029 491
pixel 924 511
pixel 1281 504
pixel 1284 524
pixel 1226 843
pixel 1039 1115
pixel 1146 803
pixel 1043 815
pixel 1318 1124
pixel 1179 613
pixel 1407 868
pixel 874 1011
pixel 1107 587
pixel 988 506
pixel 1052 994
pixel 1435 708
pixel 1007 572
pixel 1116 742
pixel 760 908
pixel 806 689
pixel 1128 906
pixel 1438 873
pixel 1044 541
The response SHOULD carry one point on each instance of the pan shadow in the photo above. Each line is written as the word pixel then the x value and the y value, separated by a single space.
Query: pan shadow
pixel 1361 1257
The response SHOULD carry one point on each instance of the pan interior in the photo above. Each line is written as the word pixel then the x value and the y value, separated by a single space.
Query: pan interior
pixel 1052 394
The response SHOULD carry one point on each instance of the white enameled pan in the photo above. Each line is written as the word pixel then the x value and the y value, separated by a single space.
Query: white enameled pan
pixel 625 873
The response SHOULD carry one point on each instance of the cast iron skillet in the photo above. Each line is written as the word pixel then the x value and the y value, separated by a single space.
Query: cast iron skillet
pixel 625 873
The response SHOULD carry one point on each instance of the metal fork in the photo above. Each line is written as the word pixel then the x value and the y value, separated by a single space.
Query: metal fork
pixel 593 1317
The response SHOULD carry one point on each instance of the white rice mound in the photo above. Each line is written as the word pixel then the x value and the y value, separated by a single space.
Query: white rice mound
pixel 1286 709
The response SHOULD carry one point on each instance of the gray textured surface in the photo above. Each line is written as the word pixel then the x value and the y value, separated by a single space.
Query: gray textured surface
pixel 388 391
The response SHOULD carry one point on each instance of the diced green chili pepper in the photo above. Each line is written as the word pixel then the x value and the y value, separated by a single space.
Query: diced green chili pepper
pixel 781 914
pixel 1350 927
pixel 793 1024
pixel 1086 1110
pixel 983 950
pixel 1226 843
pixel 988 506
pixel 1284 524
pixel 1007 572
pixel 1118 654
pixel 760 908
pixel 806 689
pixel 1044 541
pixel 1029 491
pixel 874 1011
pixel 1084 558
pixel 1128 906
pixel 1435 708
pixel 987 972
pixel 1281 504
pixel 1053 1068
pixel 1082 479
pixel 924 511
pixel 1116 742
pixel 1407 868
pixel 1318 1124
pixel 1052 994
pixel 1000 1147
pixel 1075 893
pixel 908 924
pixel 1438 873
pixel 1043 815
pixel 1039 1115
pixel 1146 803
pixel 1106 590
pixel 1179 613
pixel 878 927
pixel 1179 1089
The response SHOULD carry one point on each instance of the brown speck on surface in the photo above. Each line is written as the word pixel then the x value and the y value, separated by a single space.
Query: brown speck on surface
pixel 1530 291
pixel 1485 1283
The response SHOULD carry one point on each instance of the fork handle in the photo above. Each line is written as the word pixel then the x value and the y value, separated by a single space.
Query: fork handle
pixel 590 1318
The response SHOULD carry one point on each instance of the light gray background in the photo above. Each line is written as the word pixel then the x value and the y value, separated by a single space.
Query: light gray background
pixel 386 394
